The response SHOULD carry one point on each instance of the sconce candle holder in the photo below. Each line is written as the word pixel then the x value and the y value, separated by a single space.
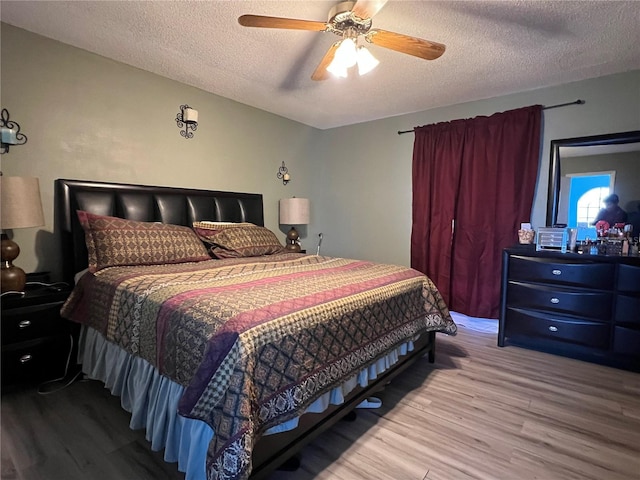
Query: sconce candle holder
pixel 10 132
pixel 283 174
pixel 188 118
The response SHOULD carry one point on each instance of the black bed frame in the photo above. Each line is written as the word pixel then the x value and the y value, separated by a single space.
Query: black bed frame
pixel 183 206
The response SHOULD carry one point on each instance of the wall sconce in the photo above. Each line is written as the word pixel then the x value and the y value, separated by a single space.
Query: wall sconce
pixel 10 132
pixel 283 174
pixel 188 118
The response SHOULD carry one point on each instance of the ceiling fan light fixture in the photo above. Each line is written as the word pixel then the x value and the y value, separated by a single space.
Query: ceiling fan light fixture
pixel 346 53
pixel 366 61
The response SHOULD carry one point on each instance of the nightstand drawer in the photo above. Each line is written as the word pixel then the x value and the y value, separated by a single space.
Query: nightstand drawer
pixel 42 359
pixel 31 322
pixel 581 303
pixel 544 270
pixel 36 341
pixel 534 324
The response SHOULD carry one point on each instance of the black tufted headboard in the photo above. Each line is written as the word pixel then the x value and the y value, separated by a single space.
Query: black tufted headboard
pixel 180 206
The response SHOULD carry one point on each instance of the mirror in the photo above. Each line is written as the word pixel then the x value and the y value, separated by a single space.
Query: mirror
pixel 584 170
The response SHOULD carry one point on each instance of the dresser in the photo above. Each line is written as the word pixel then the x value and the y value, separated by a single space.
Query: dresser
pixel 582 306
pixel 37 344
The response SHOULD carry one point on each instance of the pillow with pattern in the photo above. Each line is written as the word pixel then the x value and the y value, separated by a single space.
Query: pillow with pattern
pixel 216 226
pixel 115 241
pixel 235 240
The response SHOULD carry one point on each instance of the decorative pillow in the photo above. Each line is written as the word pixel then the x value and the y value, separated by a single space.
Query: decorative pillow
pixel 115 241
pixel 238 240
pixel 215 226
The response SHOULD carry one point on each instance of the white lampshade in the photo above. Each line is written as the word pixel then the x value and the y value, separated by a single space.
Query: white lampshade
pixel 366 61
pixel 294 211
pixel 21 204
pixel 337 69
pixel 345 57
pixel 346 53
pixel 190 115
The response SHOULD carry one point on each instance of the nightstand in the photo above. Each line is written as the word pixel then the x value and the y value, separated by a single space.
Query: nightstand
pixel 36 341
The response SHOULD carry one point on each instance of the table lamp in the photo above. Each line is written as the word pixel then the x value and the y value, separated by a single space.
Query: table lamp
pixel 21 207
pixel 294 211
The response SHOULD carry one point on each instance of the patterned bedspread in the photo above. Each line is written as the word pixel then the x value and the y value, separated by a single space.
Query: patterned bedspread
pixel 254 341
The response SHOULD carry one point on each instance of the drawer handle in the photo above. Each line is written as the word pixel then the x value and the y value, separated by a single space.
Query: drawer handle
pixel 555 300
pixel 24 324
pixel 553 329
pixel 26 358
pixel 556 272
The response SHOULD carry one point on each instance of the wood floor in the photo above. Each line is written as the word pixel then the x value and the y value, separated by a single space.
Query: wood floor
pixel 481 412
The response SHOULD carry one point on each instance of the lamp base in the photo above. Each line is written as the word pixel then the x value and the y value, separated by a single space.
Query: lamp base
pixel 292 241
pixel 12 278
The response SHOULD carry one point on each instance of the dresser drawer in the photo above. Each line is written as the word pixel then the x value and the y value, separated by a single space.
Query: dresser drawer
pixel 626 341
pixel 545 270
pixel 31 322
pixel 42 359
pixel 627 309
pixel 581 303
pixel 539 325
pixel 629 279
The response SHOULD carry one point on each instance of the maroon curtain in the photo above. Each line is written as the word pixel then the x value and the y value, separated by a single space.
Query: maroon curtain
pixel 437 159
pixel 480 172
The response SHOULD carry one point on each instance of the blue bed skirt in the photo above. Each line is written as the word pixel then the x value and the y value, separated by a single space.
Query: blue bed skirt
pixel 153 399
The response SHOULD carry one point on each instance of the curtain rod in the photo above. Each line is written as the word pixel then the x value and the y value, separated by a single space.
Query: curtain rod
pixel 577 102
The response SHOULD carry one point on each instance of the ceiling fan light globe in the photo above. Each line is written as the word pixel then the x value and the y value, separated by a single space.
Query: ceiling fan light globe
pixel 337 69
pixel 366 61
pixel 346 53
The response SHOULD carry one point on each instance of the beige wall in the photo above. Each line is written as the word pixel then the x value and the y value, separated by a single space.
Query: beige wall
pixel 87 117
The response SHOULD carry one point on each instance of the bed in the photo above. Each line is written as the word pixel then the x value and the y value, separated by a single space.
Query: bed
pixel 233 363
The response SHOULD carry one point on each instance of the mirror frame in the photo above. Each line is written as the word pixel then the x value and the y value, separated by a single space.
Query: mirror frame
pixel 554 162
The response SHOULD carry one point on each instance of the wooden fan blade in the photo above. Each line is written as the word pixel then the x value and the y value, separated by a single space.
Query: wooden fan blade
pixel 321 72
pixel 406 44
pixel 279 22
pixel 367 8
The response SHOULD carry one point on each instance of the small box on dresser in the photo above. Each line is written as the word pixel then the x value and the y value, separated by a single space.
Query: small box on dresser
pixel 36 342
pixel 582 306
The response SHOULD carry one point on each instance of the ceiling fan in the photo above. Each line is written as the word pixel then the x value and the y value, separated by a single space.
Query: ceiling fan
pixel 351 21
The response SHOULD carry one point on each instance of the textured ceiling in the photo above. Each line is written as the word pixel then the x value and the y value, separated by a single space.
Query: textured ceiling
pixel 493 48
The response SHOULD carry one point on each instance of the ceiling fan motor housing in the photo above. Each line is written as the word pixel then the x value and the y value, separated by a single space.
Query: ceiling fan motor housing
pixel 341 20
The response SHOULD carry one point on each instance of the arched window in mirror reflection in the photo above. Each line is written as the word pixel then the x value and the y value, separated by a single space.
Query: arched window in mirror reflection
pixel 589 204
pixel 585 193
pixel 582 198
